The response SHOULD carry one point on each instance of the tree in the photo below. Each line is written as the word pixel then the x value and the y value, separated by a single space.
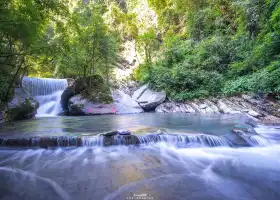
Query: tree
pixel 22 31
pixel 148 43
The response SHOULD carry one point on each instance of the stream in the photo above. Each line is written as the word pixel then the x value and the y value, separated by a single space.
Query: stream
pixel 146 156
pixel 208 166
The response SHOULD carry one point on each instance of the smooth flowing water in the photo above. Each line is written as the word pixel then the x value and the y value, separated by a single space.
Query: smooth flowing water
pixel 48 93
pixel 139 123
pixel 162 170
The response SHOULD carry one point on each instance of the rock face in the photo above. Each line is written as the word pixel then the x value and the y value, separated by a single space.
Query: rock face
pixel 22 106
pixel 81 106
pixel 125 104
pixel 74 87
pixel 148 99
pixel 265 110
pixel 65 96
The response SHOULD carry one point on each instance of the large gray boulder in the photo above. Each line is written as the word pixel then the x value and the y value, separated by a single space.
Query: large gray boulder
pixel 137 94
pixel 79 106
pixel 22 106
pixel 147 98
pixel 124 103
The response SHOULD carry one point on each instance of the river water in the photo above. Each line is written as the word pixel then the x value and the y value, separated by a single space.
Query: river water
pixel 159 171
pixel 145 122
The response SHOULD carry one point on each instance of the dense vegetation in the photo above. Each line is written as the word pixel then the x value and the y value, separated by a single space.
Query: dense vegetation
pixel 53 38
pixel 189 48
pixel 220 47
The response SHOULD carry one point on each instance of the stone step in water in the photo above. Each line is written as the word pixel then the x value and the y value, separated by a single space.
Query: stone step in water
pixel 125 138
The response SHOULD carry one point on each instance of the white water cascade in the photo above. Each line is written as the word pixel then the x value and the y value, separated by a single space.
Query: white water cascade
pixel 48 92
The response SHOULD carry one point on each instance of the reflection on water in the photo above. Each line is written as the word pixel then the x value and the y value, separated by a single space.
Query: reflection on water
pixel 158 171
pixel 146 122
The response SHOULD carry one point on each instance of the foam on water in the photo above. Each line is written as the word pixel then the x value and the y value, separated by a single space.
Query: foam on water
pixel 255 140
pixel 270 132
pixel 158 170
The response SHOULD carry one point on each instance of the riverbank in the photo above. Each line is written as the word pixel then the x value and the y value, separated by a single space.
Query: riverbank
pixel 266 111
pixel 128 98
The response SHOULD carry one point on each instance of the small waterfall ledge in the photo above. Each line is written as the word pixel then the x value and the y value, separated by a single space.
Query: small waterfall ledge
pixel 47 92
pixel 182 140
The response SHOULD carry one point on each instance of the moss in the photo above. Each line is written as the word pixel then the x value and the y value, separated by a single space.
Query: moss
pixel 97 90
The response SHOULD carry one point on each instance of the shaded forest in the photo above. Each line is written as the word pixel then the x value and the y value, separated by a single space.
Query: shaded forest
pixel 189 48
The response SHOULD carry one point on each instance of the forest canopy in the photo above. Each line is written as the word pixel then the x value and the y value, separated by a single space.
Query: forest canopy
pixel 189 48
pixel 219 47
pixel 53 38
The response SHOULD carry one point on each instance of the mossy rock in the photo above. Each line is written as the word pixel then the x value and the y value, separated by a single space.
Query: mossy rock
pixel 97 90
pixel 23 106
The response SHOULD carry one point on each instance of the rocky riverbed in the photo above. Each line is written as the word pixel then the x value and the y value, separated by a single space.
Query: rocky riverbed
pixel 144 99
pixel 264 110
pixel 131 98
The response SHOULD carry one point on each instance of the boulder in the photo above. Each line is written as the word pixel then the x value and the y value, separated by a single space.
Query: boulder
pixel 121 140
pixel 223 107
pixel 110 133
pixel 22 106
pixel 125 104
pixel 203 106
pixel 79 106
pixel 79 86
pixel 124 132
pixel 137 94
pixel 149 99
pixel 254 113
pixel 172 107
pixel 116 132
pixel 65 96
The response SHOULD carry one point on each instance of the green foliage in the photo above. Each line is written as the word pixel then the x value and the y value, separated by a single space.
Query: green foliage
pixel 148 44
pixel 87 46
pixel 23 37
pixel 266 80
pixel 124 23
pixel 198 48
pixel 48 38
pixel 96 89
pixel 219 47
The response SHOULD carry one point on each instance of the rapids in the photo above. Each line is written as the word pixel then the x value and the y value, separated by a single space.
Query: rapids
pixel 158 171
pixel 173 156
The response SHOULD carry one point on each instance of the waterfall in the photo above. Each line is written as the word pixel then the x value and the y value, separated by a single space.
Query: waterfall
pixel 48 92
pixel 100 140
pixel 186 140
pixel 178 140
pixel 255 140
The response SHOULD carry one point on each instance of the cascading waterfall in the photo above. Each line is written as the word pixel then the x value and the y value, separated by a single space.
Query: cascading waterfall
pixel 255 140
pixel 181 140
pixel 100 140
pixel 186 140
pixel 151 171
pixel 48 93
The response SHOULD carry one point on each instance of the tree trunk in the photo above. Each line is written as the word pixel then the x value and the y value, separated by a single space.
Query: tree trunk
pixel 12 82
